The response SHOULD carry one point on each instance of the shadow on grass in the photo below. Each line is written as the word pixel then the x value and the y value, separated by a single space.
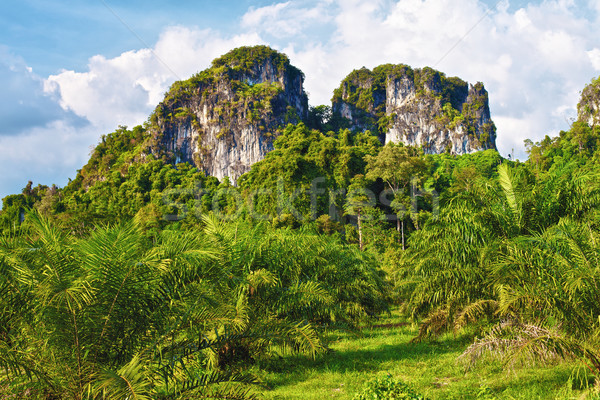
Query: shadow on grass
pixel 546 379
pixel 294 369
pixel 357 357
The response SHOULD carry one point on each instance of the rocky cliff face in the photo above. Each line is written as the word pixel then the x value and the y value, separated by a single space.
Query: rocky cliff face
pixel 420 107
pixel 588 108
pixel 225 118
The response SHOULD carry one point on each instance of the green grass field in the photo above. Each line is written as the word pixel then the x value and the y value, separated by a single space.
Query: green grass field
pixel 431 368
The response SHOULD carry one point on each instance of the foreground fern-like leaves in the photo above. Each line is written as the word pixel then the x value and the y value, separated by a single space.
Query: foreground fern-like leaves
pixel 110 316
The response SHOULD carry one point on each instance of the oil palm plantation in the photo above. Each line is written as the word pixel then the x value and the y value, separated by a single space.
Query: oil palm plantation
pixel 458 271
pixel 113 316
pixel 548 286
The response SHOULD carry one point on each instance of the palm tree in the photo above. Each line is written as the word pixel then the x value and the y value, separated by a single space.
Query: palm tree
pixel 548 286
pixel 448 274
pixel 441 272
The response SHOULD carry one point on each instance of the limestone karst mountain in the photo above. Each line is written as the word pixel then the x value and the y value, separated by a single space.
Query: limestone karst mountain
pixel 224 119
pixel 418 107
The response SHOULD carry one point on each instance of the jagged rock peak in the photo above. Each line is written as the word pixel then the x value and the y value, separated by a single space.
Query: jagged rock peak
pixel 588 108
pixel 225 118
pixel 419 107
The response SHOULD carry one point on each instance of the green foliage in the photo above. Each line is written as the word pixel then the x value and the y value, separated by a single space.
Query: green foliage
pixel 358 199
pixel 306 172
pixel 451 273
pixel 161 189
pixel 320 118
pixel 440 273
pixel 15 206
pixel 578 146
pixel 387 388
pixel 245 59
pixel 451 175
pixel 112 153
pixel 327 226
pixel 396 165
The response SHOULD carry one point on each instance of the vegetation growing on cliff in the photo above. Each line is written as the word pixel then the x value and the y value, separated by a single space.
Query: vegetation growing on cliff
pixel 253 87
pixel 245 59
pixel 448 99
pixel 587 108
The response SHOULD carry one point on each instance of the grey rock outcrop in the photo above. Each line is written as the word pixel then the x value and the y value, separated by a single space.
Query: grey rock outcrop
pixel 225 118
pixel 420 107
pixel 588 108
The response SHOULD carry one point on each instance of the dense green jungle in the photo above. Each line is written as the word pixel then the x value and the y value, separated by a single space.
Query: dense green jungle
pixel 150 280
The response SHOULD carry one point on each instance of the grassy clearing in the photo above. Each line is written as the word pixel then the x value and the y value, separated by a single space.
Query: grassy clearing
pixel 431 368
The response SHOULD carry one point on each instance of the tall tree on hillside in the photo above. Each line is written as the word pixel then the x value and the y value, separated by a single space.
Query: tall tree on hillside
pixel 398 166
pixel 358 200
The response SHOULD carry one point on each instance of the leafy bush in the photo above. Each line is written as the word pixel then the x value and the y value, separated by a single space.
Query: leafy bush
pixel 387 388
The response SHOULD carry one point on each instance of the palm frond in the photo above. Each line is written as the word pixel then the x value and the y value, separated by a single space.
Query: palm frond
pixel 517 342
pixel 475 312
pixel 507 180
pixel 218 385
pixel 436 323
pixel 130 382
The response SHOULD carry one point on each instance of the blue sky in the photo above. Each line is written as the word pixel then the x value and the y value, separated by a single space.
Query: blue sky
pixel 64 34
pixel 71 70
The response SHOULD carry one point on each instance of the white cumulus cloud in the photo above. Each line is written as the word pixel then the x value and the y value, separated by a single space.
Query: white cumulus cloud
pixel 288 20
pixel 594 56
pixel 124 90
